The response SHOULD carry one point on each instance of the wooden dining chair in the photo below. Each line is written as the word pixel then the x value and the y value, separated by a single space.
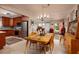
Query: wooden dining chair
pixel 29 44
pixel 32 42
pixel 50 44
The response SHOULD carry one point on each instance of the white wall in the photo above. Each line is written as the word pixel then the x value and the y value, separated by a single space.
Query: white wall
pixel 66 19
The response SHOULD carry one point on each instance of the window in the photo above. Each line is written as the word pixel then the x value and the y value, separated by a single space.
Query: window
pixel 0 22
pixel 56 27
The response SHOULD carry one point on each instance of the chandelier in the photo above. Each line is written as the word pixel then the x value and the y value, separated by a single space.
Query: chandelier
pixel 44 15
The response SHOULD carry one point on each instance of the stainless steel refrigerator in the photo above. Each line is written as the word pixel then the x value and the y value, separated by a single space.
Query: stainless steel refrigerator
pixel 24 29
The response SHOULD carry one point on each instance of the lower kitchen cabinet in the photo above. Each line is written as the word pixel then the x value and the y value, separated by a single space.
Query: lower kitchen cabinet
pixel 9 32
pixel 2 40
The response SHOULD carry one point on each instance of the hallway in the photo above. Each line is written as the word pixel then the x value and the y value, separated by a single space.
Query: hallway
pixel 58 48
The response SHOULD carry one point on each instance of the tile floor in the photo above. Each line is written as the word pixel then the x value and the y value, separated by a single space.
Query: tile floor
pixel 19 48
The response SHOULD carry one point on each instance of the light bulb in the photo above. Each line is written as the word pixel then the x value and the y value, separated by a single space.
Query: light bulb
pixel 41 16
pixel 38 17
pixel 44 15
pixel 43 24
pixel 40 24
pixel 47 16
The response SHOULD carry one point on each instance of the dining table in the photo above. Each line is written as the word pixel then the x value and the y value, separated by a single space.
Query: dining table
pixel 47 39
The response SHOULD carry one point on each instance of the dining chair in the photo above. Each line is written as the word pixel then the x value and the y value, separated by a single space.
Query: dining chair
pixel 50 44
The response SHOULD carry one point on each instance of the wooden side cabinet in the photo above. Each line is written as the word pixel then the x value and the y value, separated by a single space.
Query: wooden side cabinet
pixel 71 44
pixel 71 41
pixel 77 32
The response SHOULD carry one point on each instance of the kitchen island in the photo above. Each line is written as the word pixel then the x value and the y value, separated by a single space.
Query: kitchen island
pixel 2 39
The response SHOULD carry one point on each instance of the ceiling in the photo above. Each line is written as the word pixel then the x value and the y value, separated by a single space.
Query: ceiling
pixel 55 11
pixel 7 13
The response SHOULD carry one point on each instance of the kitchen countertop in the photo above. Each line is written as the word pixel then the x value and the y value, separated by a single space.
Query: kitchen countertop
pixel 8 28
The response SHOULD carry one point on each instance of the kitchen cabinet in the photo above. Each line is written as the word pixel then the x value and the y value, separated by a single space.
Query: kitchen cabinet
pixel 13 32
pixel 17 20
pixel 2 39
pixel 6 21
pixel 9 32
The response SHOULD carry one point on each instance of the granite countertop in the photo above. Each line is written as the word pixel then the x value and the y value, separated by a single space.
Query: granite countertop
pixel 5 28
pixel 8 28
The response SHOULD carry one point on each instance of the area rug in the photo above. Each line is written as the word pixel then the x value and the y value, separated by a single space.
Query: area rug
pixel 12 40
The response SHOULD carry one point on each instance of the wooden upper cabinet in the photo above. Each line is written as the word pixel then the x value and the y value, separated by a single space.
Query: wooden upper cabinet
pixel 6 21
pixel 17 20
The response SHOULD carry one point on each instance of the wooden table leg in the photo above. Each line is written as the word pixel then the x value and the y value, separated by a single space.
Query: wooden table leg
pixel 45 49
pixel 51 49
pixel 51 45
pixel 26 46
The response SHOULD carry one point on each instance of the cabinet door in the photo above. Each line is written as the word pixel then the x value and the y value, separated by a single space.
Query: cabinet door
pixel 2 39
pixel 6 21
pixel 9 32
pixel 17 20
